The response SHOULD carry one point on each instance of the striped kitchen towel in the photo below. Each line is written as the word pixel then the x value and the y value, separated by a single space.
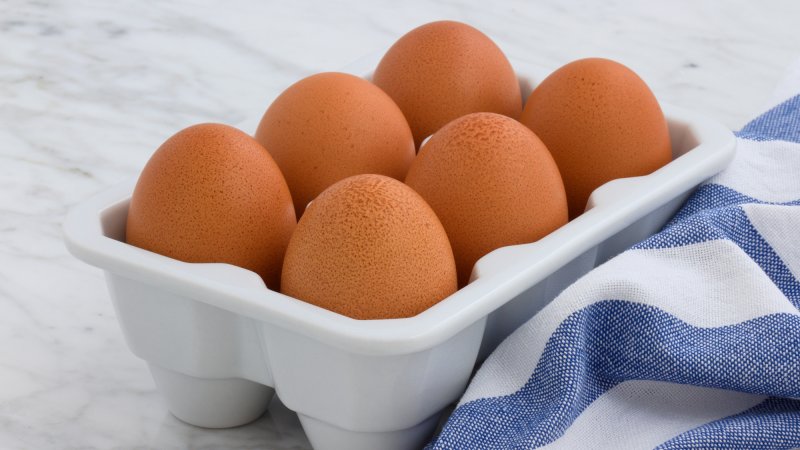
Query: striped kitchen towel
pixel 691 339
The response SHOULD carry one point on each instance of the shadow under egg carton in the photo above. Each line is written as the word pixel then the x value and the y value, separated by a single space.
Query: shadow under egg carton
pixel 219 344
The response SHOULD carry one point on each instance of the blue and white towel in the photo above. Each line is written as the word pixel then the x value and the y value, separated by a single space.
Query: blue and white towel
pixel 691 339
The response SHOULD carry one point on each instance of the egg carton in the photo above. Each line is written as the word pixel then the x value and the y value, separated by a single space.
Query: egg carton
pixel 219 344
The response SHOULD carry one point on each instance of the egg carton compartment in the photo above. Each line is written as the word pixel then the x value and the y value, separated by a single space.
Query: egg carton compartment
pixel 219 344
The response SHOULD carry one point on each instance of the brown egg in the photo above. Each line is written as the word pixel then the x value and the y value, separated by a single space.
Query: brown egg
pixel 369 247
pixel 212 194
pixel 492 183
pixel 444 70
pixel 330 126
pixel 600 122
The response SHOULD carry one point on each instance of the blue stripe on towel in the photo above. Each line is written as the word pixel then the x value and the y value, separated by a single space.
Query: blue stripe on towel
pixel 614 341
pixel 772 424
pixel 715 196
pixel 729 223
pixel 781 123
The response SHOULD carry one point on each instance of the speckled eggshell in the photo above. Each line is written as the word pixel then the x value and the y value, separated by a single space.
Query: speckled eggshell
pixel 330 126
pixel 600 122
pixel 212 194
pixel 492 183
pixel 369 247
pixel 444 70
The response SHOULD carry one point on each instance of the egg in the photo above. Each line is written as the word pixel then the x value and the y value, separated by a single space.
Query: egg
pixel 212 194
pixel 492 183
pixel 600 122
pixel 369 247
pixel 330 126
pixel 444 70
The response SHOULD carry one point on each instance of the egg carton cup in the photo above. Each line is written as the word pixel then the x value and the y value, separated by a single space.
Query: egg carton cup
pixel 219 344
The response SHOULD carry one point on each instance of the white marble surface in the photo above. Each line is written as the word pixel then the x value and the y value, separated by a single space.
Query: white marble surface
pixel 88 90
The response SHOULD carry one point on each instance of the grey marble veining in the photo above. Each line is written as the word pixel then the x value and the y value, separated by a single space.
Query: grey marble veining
pixel 89 89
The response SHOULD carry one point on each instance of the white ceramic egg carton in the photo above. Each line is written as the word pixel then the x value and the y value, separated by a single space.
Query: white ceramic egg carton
pixel 219 344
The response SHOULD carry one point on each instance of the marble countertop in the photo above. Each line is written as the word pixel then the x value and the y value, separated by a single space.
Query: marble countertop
pixel 88 90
